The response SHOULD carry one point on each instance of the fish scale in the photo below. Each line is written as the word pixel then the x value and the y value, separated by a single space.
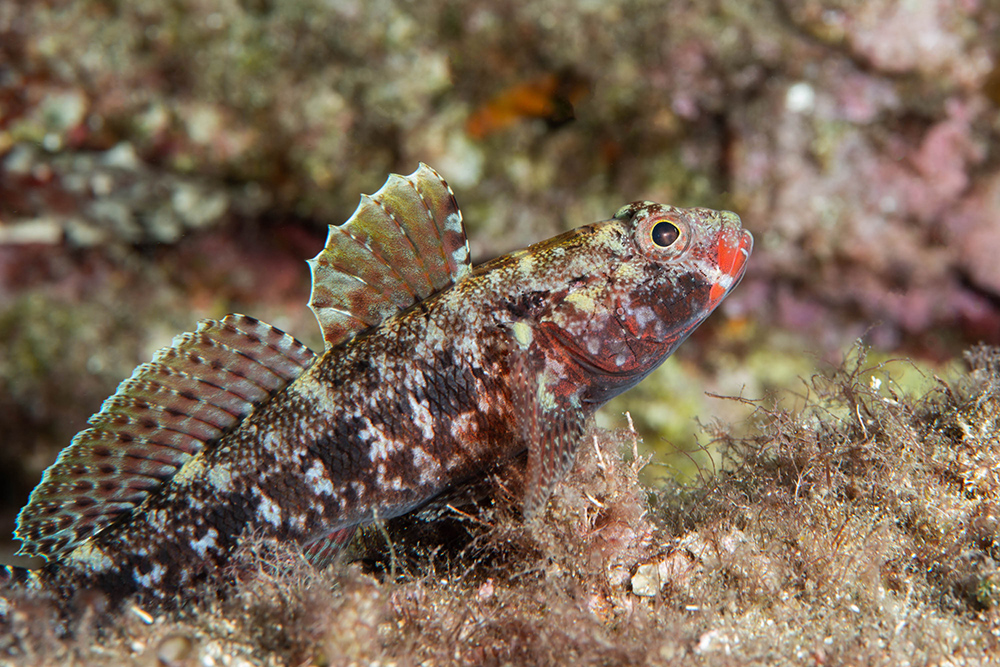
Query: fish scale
pixel 433 373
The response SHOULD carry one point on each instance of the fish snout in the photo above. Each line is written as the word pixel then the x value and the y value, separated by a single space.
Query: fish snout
pixel 734 248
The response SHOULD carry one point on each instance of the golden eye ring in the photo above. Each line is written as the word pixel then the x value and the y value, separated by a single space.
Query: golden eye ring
pixel 664 234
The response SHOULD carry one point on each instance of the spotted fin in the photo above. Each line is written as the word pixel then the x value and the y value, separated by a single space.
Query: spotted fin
pixel 551 453
pixel 322 551
pixel 188 396
pixel 553 428
pixel 402 244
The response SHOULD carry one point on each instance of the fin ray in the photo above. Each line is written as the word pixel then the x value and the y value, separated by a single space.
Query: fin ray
pixel 401 245
pixel 323 550
pixel 190 395
pixel 551 425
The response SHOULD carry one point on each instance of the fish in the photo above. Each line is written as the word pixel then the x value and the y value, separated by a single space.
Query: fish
pixel 433 372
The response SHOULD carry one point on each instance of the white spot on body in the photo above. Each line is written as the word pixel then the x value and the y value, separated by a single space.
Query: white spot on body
pixel 455 461
pixel 422 418
pixel 298 522
pixel 593 345
pixel 157 519
pixel 463 427
pixel 466 346
pixel 581 300
pixel 522 334
pixel 382 447
pixel 554 369
pixel 91 558
pixel 273 443
pixel 483 402
pixel 191 470
pixel 526 264
pixel 152 578
pixel 317 478
pixel 643 316
pixel 310 389
pixel 206 542
pixel 269 510
pixel 221 478
pixel 430 469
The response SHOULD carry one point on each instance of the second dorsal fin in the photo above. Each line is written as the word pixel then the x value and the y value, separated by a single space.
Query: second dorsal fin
pixel 189 395
pixel 402 244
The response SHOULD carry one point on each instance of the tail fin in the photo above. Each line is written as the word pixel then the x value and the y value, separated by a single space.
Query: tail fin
pixel 187 398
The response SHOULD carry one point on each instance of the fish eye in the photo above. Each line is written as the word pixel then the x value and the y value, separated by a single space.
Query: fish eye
pixel 664 234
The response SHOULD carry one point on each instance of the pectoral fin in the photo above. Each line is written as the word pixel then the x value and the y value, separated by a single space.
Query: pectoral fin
pixel 550 456
pixel 552 424
pixel 321 552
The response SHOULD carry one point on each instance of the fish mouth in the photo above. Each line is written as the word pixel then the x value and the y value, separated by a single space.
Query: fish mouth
pixel 734 250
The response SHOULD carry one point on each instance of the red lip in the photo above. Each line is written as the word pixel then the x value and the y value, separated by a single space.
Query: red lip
pixel 733 254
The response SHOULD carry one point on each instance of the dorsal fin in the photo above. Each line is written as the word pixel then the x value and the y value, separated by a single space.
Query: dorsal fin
pixel 402 244
pixel 188 396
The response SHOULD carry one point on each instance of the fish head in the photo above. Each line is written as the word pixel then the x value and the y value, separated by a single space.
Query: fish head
pixel 678 266
pixel 644 280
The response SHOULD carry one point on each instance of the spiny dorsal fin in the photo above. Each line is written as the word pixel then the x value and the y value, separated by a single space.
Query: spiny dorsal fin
pixel 403 243
pixel 189 395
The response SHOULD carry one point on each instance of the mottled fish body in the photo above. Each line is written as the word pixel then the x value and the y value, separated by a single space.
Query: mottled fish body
pixel 433 373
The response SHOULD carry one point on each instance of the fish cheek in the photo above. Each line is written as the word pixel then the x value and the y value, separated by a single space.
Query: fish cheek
pixel 583 322
pixel 663 311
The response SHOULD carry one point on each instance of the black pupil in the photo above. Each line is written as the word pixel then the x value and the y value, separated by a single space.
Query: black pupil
pixel 664 233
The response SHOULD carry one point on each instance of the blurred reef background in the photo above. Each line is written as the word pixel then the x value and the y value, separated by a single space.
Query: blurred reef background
pixel 166 161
